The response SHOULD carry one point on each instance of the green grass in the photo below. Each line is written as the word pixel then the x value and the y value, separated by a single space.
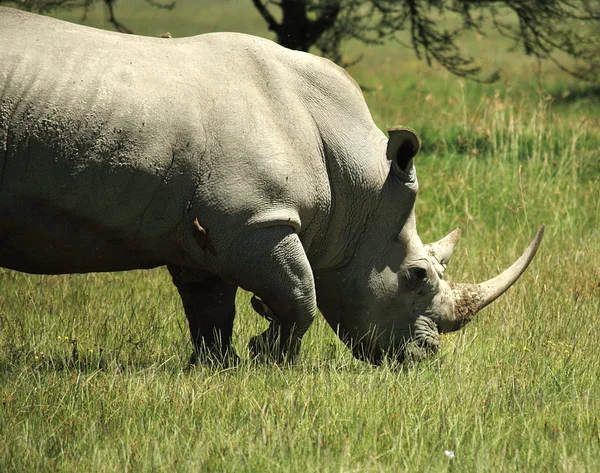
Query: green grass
pixel 93 368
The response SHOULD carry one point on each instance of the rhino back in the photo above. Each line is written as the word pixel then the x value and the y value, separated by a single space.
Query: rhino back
pixel 111 145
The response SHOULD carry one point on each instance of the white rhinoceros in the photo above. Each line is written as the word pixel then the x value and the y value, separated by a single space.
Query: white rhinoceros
pixel 235 163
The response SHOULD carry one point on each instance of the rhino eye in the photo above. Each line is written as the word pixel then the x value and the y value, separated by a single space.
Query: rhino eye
pixel 416 276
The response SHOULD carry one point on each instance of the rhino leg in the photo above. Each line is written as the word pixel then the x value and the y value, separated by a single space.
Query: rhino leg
pixel 274 345
pixel 272 264
pixel 209 305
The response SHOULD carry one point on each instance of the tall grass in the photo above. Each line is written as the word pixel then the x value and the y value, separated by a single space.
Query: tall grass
pixel 93 368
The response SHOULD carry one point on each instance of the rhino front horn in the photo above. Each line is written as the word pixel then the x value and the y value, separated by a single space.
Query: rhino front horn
pixel 471 298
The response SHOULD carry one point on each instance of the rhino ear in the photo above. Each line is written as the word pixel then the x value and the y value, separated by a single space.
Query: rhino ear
pixel 403 146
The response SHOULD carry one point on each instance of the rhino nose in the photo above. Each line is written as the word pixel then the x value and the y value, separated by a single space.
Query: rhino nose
pixel 426 332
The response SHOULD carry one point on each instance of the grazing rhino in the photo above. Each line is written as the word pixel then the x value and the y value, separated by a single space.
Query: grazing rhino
pixel 235 163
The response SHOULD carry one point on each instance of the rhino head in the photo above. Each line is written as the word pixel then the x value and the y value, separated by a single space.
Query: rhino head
pixel 390 298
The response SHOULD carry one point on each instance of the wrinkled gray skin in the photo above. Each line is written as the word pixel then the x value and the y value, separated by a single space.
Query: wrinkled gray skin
pixel 111 146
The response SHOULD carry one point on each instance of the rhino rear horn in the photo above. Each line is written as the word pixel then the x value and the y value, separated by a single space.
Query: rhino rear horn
pixel 441 251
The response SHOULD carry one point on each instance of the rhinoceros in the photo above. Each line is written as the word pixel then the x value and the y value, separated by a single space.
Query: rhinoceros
pixel 235 163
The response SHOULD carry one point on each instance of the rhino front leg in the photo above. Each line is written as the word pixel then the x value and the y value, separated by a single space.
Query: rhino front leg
pixel 272 264
pixel 274 343
pixel 209 306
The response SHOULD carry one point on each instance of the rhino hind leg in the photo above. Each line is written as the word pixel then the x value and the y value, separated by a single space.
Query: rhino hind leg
pixel 209 306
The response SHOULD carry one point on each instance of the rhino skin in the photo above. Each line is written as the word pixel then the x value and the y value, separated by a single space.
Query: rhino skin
pixel 234 162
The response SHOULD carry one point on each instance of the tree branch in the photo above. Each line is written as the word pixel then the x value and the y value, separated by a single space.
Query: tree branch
pixel 113 20
pixel 266 14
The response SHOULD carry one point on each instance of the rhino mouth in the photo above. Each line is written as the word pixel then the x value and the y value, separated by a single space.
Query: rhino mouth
pixel 425 340
pixel 418 343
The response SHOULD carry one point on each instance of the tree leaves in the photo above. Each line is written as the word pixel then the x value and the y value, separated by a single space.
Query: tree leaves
pixel 564 32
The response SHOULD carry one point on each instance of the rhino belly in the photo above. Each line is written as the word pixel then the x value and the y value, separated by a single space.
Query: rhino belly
pixel 37 238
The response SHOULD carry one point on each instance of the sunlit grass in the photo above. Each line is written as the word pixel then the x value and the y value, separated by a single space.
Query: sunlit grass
pixel 93 368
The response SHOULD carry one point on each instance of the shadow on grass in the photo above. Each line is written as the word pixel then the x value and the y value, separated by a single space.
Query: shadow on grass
pixel 16 361
pixel 119 363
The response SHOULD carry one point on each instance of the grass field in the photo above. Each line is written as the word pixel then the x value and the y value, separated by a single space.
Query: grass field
pixel 93 368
